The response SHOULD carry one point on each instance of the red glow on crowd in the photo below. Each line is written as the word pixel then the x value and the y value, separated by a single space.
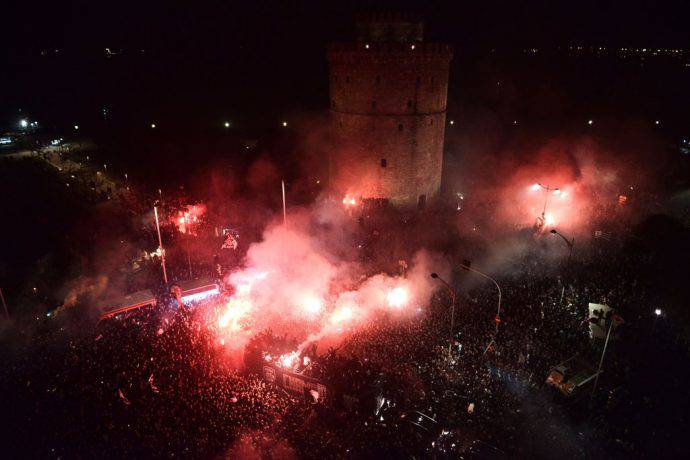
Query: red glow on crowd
pixel 186 220
pixel 341 315
pixel 290 284
pixel 236 314
pixel 397 297
pixel 349 200
pixel 312 304
pixel 289 360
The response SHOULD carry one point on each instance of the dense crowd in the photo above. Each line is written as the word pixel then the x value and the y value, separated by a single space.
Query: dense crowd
pixel 156 382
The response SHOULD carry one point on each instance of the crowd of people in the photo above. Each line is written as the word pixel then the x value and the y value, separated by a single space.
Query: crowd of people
pixel 157 382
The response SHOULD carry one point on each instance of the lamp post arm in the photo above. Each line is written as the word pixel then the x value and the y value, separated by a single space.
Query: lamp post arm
pixel 495 284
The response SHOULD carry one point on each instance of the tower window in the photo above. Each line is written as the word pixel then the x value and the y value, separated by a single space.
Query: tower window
pixel 384 163
pixel 400 127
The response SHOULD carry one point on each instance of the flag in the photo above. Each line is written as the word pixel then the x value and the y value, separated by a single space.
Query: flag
pixel 617 320
pixel 230 242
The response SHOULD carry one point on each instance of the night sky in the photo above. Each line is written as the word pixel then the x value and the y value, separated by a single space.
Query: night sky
pixel 215 25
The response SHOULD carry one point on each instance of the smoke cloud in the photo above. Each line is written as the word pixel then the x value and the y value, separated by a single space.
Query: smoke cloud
pixel 301 279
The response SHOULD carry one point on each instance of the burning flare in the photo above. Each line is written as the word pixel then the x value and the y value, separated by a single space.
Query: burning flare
pixel 397 297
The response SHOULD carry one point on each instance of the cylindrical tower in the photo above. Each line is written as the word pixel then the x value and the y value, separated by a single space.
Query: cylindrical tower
pixel 388 109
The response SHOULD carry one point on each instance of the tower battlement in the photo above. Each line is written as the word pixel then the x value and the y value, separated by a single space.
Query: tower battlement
pixel 386 51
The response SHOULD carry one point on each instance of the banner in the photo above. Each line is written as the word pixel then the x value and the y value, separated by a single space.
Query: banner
pixel 599 319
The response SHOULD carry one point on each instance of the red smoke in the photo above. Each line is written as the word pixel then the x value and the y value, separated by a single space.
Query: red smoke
pixel 292 283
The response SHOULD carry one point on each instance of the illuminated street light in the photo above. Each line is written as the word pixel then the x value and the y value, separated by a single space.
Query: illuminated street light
pixel 590 122
pixel 452 122
pixel 284 124
pixel 546 220
pixel 226 124
pixel 23 123
pixel 658 312
pixel 153 126
pixel 656 122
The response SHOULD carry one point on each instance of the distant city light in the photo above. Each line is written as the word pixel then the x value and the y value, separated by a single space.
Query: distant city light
pixel 656 122
pixel 412 47
pixel 535 187
pixel 657 312
pixel 590 122
pixel 284 124
pixel 226 124
pixel 366 46
pixel 153 126
pixel 452 122
pixel 76 127
pixel 23 123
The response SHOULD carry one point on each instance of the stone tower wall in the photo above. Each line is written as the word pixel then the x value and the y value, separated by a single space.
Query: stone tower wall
pixel 388 108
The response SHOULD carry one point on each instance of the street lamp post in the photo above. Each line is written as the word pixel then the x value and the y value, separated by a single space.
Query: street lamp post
pixel 451 291
pixel 160 245
pixel 657 313
pixel 569 242
pixel 548 189
pixel 467 267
